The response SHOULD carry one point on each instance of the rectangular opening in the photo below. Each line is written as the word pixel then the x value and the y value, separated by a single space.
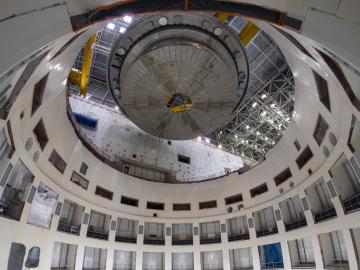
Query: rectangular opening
pixel 99 225
pixel 71 218
pixel 126 230
pixel 63 256
pixel 79 180
pixel 94 258
pixel 207 205
pixel 297 145
pixel 182 234
pixel 292 213
pixel 38 95
pixel 212 260
pixel 181 207
pixel 237 228
pixel 153 260
pixel 129 201
pixel 40 134
pixel 84 167
pixel 241 258
pixel 333 250
pixel 210 232
pixel 155 205
pixel 282 177
pixel 104 193
pixel 258 190
pixel 321 128
pixel 16 191
pixel 304 157
pixel 271 256
pixel 154 233
pixel 265 223
pixel 124 260
pixel 56 160
pixel 322 89
pixel 337 70
pixel 233 199
pixel 301 253
pixel 184 159
pixel 182 261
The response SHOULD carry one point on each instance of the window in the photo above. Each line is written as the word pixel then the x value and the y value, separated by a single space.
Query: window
pixel 40 134
pixel 181 206
pixel 129 201
pixel 258 190
pixel 336 69
pixel 57 161
pixel 295 42
pixel 94 258
pixel 155 205
pixel 39 90
pixel 63 256
pixel 79 180
pixel 297 145
pixel 83 168
pixel 323 91
pixel 104 193
pixel 184 159
pixel 207 205
pixel 304 157
pixel 320 130
pixel 282 177
pixel 234 199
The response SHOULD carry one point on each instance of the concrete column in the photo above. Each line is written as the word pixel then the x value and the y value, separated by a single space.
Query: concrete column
pixel 79 257
pixel 255 257
pixel 226 259
pixel 197 260
pixel 109 259
pixel 168 255
pixel 350 250
pixel 139 259
pixel 317 252
pixel 286 254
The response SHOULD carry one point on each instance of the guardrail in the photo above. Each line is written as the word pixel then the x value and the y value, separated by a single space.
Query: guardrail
pixel 295 224
pixel 352 204
pixel 324 215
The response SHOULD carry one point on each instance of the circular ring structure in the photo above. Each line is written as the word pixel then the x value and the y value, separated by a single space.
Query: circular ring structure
pixel 180 80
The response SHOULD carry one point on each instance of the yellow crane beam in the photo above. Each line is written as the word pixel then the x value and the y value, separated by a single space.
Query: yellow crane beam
pixel 88 52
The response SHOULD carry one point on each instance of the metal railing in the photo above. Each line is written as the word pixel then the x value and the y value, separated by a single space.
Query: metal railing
pixel 265 232
pixel 177 240
pixel 69 228
pixel 324 215
pixel 336 264
pixel 98 233
pixel 237 237
pixel 210 238
pixel 303 264
pixel 272 265
pixel 352 204
pixel 154 241
pixel 295 224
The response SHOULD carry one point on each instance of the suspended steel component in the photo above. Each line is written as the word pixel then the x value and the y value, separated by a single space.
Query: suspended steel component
pixel 86 65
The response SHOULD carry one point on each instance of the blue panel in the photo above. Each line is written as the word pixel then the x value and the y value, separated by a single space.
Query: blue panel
pixel 85 120
pixel 273 256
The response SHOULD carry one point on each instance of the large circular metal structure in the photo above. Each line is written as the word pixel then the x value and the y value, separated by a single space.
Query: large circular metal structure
pixel 180 76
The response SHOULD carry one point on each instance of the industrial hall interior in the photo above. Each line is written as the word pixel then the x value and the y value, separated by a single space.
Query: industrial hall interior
pixel 179 134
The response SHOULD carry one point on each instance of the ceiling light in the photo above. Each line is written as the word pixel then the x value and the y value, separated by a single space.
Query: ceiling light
pixel 263 113
pixel 122 30
pixel 207 140
pixel 266 138
pixel 110 26
pixel 254 104
pixel 272 105
pixel 116 108
pixel 242 141
pixel 272 142
pixel 127 19
pixel 287 119
pixel 257 133
pixel 236 136
pixel 220 146
pixel 263 96
pixel 271 121
pixel 247 127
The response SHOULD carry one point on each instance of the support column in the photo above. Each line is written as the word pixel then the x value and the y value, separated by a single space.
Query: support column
pixel 353 264
pixel 79 257
pixel 286 254
pixel 109 259
pixel 317 252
